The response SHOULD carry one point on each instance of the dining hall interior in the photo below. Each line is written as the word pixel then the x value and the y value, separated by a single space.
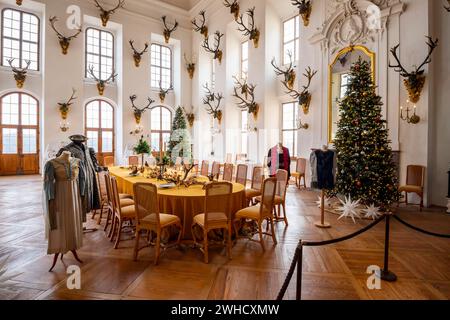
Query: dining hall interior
pixel 225 150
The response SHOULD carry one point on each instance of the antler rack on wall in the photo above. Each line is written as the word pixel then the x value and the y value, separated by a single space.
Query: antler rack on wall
pixel 64 41
pixel 105 15
pixel 251 31
pixel 218 54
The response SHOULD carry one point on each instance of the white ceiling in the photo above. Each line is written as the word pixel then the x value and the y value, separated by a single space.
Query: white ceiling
pixel 183 4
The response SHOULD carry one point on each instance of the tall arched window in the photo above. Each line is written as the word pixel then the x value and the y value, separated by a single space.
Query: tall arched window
pixel 161 126
pixel 20 39
pixel 19 134
pixel 100 128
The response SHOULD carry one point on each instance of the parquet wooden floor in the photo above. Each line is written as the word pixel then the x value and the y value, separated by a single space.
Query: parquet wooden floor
pixel 422 263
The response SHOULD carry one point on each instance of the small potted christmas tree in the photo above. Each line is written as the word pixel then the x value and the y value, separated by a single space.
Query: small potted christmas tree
pixel 141 149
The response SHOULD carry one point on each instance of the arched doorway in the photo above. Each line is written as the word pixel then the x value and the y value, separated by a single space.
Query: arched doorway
pixel 19 134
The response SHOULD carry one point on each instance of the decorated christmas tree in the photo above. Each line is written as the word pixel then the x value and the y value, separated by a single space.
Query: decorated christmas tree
pixel 365 171
pixel 180 142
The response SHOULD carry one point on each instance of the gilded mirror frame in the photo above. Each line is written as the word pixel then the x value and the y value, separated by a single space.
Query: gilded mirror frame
pixel 368 53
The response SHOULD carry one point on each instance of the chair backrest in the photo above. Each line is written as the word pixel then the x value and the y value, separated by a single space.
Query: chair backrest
pixel 109 195
pixel 215 169
pixel 241 174
pixel 267 197
pixel 229 158
pixel 108 161
pixel 282 183
pixel 102 185
pixel 133 160
pixel 301 165
pixel 228 172
pixel 257 178
pixel 217 199
pixel 205 168
pixel 115 196
pixel 146 201
pixel 241 157
pixel 415 175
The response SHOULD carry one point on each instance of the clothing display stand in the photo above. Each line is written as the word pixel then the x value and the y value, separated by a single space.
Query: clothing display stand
pixel 322 224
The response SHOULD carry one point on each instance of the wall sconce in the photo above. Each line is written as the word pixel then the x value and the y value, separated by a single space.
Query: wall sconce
pixel 414 119
pixel 64 125
pixel 301 125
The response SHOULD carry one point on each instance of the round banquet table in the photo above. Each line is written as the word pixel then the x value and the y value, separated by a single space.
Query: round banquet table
pixel 181 201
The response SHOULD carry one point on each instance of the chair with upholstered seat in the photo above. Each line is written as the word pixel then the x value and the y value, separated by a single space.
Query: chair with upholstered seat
pixel 108 161
pixel 261 212
pixel 241 174
pixel 216 215
pixel 149 218
pixel 300 172
pixel 121 213
pixel 415 180
pixel 257 181
pixel 125 201
pixel 204 171
pixel 103 195
pixel 215 171
pixel 228 172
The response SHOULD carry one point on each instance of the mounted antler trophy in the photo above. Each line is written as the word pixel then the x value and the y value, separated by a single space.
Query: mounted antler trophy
pixel 138 112
pixel 63 40
pixel 218 54
pixel 163 92
pixel 289 73
pixel 208 101
pixel 64 109
pixel 244 103
pixel 137 55
pixel 20 74
pixel 203 29
pixel 234 8
pixel 304 97
pixel 251 31
pixel 101 84
pixel 414 81
pixel 167 30
pixel 305 9
pixel 19 2
pixel 190 116
pixel 190 66
pixel 105 15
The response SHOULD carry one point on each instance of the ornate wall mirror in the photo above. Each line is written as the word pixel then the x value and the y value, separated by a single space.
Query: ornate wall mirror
pixel 338 72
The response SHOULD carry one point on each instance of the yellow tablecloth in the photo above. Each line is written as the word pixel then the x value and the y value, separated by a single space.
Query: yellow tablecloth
pixel 183 202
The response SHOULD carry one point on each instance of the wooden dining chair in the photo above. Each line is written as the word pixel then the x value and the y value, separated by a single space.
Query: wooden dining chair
pixel 217 215
pixel 241 157
pixel 215 171
pixel 103 195
pixel 300 172
pixel 121 214
pixel 257 182
pixel 241 174
pixel 205 168
pixel 229 158
pixel 261 212
pixel 125 201
pixel 149 218
pixel 133 160
pixel 415 181
pixel 108 161
pixel 228 172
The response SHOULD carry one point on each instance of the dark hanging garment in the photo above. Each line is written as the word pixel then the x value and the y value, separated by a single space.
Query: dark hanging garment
pixel 325 165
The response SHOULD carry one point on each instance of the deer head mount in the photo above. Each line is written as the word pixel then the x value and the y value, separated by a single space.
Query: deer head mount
pixel 101 84
pixel 167 30
pixel 137 55
pixel 64 41
pixel 163 92
pixel 218 54
pixel 242 92
pixel 202 28
pixel 234 8
pixel 447 8
pixel 19 2
pixel 289 74
pixel 305 9
pixel 20 74
pixel 105 15
pixel 190 66
pixel 414 81
pixel 251 31
pixel 212 102
pixel 64 107
pixel 190 116
pixel 304 97
pixel 138 112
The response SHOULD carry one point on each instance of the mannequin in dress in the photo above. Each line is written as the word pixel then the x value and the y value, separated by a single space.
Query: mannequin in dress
pixel 279 158
pixel 64 181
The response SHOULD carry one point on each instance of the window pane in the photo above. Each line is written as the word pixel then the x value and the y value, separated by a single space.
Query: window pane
pixel 289 49
pixel 107 115
pixel 92 140
pixel 244 143
pixel 10 109
pixel 99 53
pixel 107 141
pixel 155 141
pixel 244 120
pixel 29 111
pixel 289 30
pixel 288 140
pixel 288 116
pixel 166 119
pixel 9 141
pixel 166 140
pixel 92 115
pixel 156 119
pixel 29 141
pixel 161 66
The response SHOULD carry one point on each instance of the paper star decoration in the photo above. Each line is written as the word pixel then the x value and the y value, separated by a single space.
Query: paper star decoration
pixel 5 279
pixel 349 209
pixel 327 202
pixel 372 212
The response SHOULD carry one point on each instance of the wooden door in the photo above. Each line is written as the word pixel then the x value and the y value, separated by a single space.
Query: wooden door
pixel 19 134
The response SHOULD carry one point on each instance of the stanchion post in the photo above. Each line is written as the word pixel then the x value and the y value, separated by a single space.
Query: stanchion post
pixel 387 275
pixel 299 272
